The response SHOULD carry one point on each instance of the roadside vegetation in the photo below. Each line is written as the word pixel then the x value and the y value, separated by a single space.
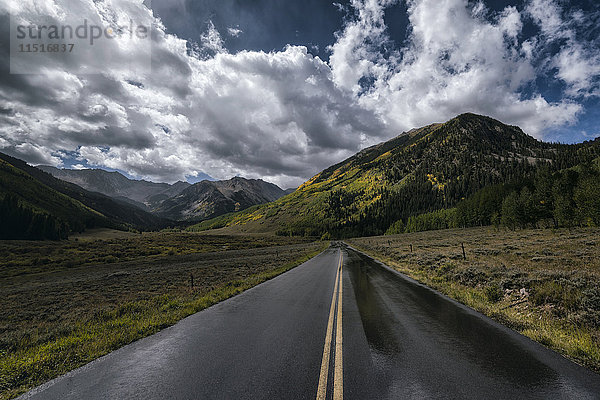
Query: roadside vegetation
pixel 67 303
pixel 542 283
pixel 106 246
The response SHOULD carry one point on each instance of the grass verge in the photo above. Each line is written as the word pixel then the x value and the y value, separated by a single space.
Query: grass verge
pixel 107 330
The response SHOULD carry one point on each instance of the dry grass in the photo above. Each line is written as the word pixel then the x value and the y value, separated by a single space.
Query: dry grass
pixel 107 246
pixel 542 283
pixel 55 317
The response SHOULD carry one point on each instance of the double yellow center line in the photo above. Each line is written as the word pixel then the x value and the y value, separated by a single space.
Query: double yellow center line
pixel 338 374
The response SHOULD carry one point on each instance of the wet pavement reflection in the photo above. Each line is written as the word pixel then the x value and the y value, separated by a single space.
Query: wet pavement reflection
pixel 425 346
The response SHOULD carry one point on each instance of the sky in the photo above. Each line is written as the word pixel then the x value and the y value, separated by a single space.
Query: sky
pixel 280 90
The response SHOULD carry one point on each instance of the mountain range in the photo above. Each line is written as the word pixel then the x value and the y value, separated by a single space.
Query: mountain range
pixel 207 199
pixel 143 194
pixel 42 192
pixel 441 166
pixel 47 202
pixel 180 201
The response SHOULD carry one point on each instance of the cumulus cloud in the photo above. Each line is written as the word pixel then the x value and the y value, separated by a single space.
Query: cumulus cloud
pixel 359 49
pixel 457 59
pixel 273 115
pixel 577 63
pixel 235 32
pixel 282 115
pixel 212 41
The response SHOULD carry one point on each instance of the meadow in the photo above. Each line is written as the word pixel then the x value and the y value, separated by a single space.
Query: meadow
pixel 67 303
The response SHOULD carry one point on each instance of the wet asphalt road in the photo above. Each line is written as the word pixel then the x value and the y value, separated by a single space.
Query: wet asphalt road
pixel 426 346
pixel 400 341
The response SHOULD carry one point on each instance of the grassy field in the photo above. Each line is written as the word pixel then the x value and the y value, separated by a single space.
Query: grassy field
pixel 544 284
pixel 106 246
pixel 67 303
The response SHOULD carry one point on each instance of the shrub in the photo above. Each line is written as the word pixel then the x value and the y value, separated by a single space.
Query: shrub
pixel 493 293
pixel 470 277
pixel 558 293
pixel 110 259
pixel 396 228
pixel 591 299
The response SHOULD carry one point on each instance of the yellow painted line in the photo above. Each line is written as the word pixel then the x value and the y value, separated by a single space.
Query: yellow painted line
pixel 338 373
pixel 322 389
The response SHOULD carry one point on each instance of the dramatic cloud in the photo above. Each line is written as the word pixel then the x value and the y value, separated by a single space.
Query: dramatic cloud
pixel 282 115
pixel 275 115
pixel 577 63
pixel 235 32
pixel 458 59
pixel 212 41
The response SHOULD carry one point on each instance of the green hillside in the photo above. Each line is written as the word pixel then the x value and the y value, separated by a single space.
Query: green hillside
pixel 118 214
pixel 423 170
pixel 23 198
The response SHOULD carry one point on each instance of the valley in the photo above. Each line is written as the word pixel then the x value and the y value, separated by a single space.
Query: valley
pixel 365 199
pixel 473 208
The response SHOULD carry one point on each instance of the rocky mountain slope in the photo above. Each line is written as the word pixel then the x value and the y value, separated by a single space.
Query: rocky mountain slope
pixel 208 199
pixel 180 201
pixel 144 194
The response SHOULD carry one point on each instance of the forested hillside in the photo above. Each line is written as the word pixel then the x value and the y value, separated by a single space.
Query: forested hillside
pixel 432 168
pixel 35 205
pixel 32 210
pixel 565 198
pixel 116 213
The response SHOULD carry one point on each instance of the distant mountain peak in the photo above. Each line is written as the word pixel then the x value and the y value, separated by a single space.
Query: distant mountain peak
pixel 142 193
pixel 208 199
pixel 481 124
pixel 178 201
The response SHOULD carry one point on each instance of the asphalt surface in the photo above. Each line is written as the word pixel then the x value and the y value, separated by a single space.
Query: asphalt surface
pixel 401 340
pixel 426 346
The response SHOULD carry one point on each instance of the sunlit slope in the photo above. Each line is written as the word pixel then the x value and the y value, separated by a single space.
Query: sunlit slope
pixel 421 170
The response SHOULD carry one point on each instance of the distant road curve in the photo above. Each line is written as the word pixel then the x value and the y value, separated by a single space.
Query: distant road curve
pixel 291 338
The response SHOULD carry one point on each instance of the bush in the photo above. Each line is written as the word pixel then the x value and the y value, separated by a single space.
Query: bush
pixel 552 292
pixel 470 277
pixel 396 228
pixel 493 293
pixel 591 299
pixel 440 219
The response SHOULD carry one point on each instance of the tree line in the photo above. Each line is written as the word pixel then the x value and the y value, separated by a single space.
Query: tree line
pixel 22 223
pixel 562 199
